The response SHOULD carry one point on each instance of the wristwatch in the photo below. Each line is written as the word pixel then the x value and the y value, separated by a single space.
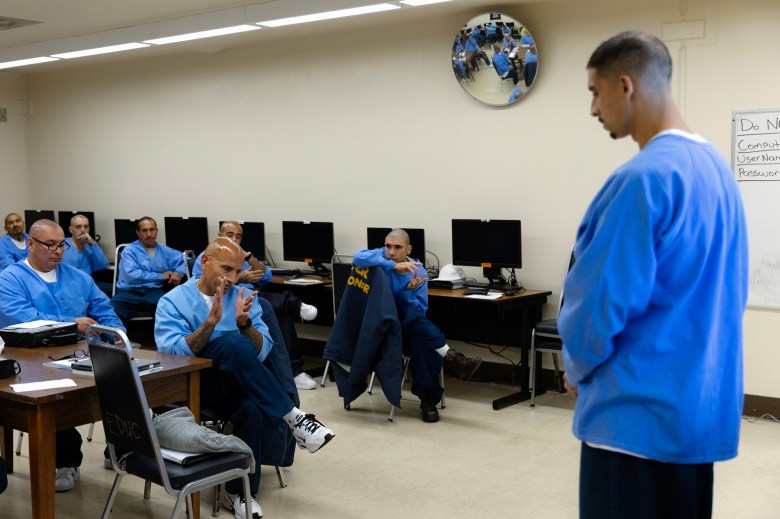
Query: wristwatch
pixel 247 324
pixel 248 257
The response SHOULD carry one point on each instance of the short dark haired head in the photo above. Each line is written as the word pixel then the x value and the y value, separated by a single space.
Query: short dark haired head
pixel 636 54
pixel 142 219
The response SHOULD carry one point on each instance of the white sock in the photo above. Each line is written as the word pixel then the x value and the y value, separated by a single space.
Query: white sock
pixel 292 417
pixel 443 350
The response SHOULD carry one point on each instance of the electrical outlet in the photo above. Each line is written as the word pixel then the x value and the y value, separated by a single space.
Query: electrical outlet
pixel 3 115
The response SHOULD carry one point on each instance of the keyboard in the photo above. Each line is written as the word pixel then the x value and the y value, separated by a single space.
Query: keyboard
pixel 474 291
pixel 281 271
pixel 493 286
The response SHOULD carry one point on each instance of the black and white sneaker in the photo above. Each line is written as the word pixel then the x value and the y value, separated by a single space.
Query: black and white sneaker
pixel 310 433
pixel 237 504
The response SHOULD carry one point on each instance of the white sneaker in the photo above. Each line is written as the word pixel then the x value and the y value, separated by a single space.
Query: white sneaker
pixel 310 434
pixel 66 478
pixel 308 312
pixel 235 503
pixel 304 381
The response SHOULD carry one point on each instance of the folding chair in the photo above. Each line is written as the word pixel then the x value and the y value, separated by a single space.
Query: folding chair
pixel 128 428
pixel 548 329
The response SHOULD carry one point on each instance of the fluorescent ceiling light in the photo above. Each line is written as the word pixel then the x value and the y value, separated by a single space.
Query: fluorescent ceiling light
pixel 329 15
pixel 23 62
pixel 203 34
pixel 100 50
pixel 416 3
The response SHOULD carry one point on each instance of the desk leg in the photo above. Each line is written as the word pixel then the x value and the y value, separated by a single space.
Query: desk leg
pixel 40 423
pixel 524 393
pixel 7 447
pixel 193 402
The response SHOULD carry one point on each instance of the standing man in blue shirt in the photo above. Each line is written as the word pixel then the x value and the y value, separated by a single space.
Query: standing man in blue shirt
pixel 429 350
pixel 148 269
pixel 41 287
pixel 652 319
pixel 13 244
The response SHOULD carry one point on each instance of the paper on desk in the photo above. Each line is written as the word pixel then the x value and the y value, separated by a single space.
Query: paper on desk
pixel 303 281
pixel 32 324
pixel 49 384
pixel 489 295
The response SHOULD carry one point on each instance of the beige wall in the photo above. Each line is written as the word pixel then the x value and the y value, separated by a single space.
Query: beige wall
pixel 368 127
pixel 15 194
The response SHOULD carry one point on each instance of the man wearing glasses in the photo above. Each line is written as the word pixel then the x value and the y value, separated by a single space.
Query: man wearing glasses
pixel 13 244
pixel 39 287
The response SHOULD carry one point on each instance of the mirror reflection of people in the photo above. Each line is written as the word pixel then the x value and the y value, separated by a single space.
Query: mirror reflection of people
pixel 652 318
pixel 504 67
pixel 516 94
pixel 473 52
pixel 531 59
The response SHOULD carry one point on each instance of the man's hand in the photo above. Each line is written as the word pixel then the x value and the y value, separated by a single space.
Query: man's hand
pixel 215 314
pixel 172 278
pixel 250 276
pixel 572 391
pixel 86 238
pixel 243 304
pixel 83 323
pixel 407 266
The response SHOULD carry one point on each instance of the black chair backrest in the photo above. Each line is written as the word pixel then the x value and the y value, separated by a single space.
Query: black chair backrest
pixel 123 405
pixel 340 275
pixel 124 230
pixel 571 264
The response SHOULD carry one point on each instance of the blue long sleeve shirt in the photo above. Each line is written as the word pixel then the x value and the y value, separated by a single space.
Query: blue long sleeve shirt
pixel 398 281
pixel 501 62
pixel 652 315
pixel 197 270
pixel 88 260
pixel 183 310
pixel 25 297
pixel 140 270
pixel 10 253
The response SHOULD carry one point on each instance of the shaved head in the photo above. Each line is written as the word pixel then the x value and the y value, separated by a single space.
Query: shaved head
pixel 42 226
pixel 399 234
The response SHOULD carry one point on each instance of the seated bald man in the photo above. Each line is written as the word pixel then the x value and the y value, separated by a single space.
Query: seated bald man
pixel 212 318
pixel 42 287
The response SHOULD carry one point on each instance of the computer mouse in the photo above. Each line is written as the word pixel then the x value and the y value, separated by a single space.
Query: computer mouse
pixel 509 292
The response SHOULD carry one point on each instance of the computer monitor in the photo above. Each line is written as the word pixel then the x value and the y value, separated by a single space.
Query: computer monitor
pixel 310 242
pixel 490 244
pixel 375 238
pixel 32 215
pixel 254 238
pixel 63 217
pixel 124 230
pixel 187 233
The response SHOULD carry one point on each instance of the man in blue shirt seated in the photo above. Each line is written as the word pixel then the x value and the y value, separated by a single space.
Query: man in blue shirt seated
pixel 210 317
pixel 147 270
pixel 503 65
pixel 84 253
pixel 13 244
pixel 41 288
pixel 285 305
pixel 652 317
pixel 427 345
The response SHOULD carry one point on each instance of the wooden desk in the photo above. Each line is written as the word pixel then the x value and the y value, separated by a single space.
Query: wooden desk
pixel 41 413
pixel 508 320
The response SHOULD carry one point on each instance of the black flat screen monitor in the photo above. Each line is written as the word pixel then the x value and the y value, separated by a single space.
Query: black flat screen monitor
pixel 254 238
pixel 63 217
pixel 490 244
pixel 310 242
pixel 32 215
pixel 375 239
pixel 124 230
pixel 187 233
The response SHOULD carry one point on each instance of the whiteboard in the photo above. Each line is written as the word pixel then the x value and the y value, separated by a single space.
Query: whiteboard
pixel 755 159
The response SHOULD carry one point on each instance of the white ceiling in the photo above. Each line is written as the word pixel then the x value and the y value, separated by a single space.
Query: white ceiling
pixel 80 24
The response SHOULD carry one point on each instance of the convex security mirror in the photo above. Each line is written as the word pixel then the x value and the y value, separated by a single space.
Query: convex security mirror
pixel 494 58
